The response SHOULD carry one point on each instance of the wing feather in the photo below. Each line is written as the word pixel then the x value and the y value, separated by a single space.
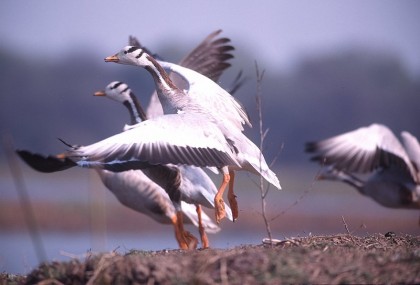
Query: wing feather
pixel 211 96
pixel 361 150
pixel 177 139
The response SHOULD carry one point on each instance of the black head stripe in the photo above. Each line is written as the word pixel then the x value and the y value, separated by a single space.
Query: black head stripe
pixel 116 85
pixel 130 50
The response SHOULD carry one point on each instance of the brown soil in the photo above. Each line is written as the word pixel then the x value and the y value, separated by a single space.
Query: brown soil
pixel 316 259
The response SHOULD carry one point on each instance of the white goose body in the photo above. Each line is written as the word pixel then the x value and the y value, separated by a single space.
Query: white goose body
pixel 137 192
pixel 209 95
pixel 393 170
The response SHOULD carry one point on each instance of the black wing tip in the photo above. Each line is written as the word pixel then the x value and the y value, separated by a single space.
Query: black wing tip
pixel 311 146
pixel 45 164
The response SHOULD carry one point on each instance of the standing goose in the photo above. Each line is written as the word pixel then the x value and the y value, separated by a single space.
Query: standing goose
pixel 203 97
pixel 393 169
pixel 195 185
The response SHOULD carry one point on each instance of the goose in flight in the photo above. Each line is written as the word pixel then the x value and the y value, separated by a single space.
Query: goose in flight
pixel 203 97
pixel 392 169
pixel 195 186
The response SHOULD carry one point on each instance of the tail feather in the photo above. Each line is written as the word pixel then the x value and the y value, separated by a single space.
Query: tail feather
pixel 263 170
pixel 250 154
pixel 46 164
pixel 271 177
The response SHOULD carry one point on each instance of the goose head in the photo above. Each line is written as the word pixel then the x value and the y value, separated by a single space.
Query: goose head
pixel 120 92
pixel 117 91
pixel 130 55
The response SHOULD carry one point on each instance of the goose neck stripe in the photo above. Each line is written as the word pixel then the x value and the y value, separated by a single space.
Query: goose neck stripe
pixel 140 54
pixel 160 73
pixel 139 109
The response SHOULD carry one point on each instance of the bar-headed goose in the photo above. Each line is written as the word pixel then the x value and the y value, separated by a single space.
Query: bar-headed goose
pixel 195 185
pixel 393 176
pixel 203 97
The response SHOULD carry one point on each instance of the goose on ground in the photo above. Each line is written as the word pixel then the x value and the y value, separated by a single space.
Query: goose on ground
pixel 195 185
pixel 203 97
pixel 392 170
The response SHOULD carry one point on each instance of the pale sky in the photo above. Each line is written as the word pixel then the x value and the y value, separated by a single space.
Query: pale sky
pixel 277 32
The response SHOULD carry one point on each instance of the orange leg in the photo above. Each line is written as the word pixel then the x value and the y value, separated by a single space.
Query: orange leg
pixel 232 197
pixel 178 235
pixel 203 235
pixel 188 238
pixel 219 204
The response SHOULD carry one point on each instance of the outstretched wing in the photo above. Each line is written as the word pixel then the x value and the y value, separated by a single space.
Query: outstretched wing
pixel 181 139
pixel 361 150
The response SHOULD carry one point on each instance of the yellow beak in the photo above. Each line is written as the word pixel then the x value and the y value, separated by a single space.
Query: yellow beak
pixel 112 58
pixel 99 93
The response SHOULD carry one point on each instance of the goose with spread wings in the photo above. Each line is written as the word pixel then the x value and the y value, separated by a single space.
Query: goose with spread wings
pixel 392 168
pixel 200 96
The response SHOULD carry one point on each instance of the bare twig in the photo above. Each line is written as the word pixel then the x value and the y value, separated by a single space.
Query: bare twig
pixel 263 134
pixel 301 197
pixel 24 199
pixel 345 225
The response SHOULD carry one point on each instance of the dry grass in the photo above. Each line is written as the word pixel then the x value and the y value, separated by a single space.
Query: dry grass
pixel 314 259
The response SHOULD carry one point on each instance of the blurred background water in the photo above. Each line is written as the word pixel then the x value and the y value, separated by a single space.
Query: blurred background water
pixel 330 67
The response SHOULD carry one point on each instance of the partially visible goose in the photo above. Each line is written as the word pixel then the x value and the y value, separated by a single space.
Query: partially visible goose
pixel 195 185
pixel 393 169
pixel 203 97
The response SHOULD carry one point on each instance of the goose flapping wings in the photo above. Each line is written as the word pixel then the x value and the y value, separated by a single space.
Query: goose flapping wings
pixel 391 173
pixel 363 150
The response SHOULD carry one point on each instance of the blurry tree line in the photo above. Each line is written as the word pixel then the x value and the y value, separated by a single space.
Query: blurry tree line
pixel 43 99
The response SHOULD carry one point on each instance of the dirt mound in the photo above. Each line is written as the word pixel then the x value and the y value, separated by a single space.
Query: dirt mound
pixel 315 259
